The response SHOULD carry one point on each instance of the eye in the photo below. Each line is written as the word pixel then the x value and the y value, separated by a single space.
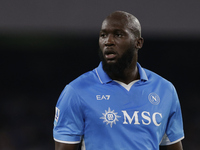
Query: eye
pixel 118 35
pixel 103 35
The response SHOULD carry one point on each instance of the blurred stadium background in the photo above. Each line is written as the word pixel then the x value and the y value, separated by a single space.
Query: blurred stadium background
pixel 46 44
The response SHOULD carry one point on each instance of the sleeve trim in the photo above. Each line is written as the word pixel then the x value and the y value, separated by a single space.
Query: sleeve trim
pixel 170 143
pixel 67 142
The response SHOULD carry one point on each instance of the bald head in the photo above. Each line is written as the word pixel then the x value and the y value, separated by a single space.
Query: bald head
pixel 128 19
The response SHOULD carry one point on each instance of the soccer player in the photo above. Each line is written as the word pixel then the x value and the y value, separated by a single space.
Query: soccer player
pixel 119 105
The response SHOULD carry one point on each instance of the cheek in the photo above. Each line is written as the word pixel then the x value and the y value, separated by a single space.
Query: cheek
pixel 125 45
pixel 100 42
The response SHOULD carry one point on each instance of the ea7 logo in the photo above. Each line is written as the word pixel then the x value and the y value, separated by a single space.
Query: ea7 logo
pixel 102 97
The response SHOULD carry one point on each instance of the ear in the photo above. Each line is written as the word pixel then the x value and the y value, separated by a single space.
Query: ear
pixel 139 43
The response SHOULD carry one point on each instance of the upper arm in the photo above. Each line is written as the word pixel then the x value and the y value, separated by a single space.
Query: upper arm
pixel 69 121
pixel 174 129
pixel 63 146
pixel 176 146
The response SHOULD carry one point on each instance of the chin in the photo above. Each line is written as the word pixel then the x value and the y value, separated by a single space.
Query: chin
pixel 110 61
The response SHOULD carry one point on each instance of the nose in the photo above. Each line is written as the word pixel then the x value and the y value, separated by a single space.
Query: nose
pixel 109 40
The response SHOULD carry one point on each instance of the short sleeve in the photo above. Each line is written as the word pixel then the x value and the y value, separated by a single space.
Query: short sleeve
pixel 69 122
pixel 174 132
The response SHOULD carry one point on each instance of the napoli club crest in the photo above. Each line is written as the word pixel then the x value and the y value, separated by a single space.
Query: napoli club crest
pixel 154 98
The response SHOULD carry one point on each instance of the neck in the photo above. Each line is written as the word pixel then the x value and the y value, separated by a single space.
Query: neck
pixel 129 74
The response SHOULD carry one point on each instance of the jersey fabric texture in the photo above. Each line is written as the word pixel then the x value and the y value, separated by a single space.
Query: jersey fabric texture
pixel 109 116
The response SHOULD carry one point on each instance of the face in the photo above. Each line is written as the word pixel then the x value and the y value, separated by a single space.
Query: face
pixel 117 46
pixel 115 39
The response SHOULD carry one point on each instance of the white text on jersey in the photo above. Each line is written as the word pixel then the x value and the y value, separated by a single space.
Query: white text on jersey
pixel 102 97
pixel 145 115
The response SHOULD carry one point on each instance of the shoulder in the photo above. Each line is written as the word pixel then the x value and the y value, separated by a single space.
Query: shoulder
pixel 158 80
pixel 73 90
pixel 84 81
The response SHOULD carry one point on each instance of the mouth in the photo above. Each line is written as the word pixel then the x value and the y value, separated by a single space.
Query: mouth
pixel 110 54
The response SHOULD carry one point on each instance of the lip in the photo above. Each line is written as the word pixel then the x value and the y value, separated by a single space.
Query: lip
pixel 110 54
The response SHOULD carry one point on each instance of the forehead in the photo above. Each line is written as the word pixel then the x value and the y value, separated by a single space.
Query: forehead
pixel 114 24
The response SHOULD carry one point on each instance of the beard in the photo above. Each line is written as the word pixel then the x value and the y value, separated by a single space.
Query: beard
pixel 122 63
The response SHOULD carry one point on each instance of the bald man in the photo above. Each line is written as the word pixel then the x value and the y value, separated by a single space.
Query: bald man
pixel 119 105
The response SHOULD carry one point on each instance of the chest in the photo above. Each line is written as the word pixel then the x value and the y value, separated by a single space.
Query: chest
pixel 118 107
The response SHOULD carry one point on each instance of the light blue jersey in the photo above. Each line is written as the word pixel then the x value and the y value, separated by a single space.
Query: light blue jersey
pixel 112 117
